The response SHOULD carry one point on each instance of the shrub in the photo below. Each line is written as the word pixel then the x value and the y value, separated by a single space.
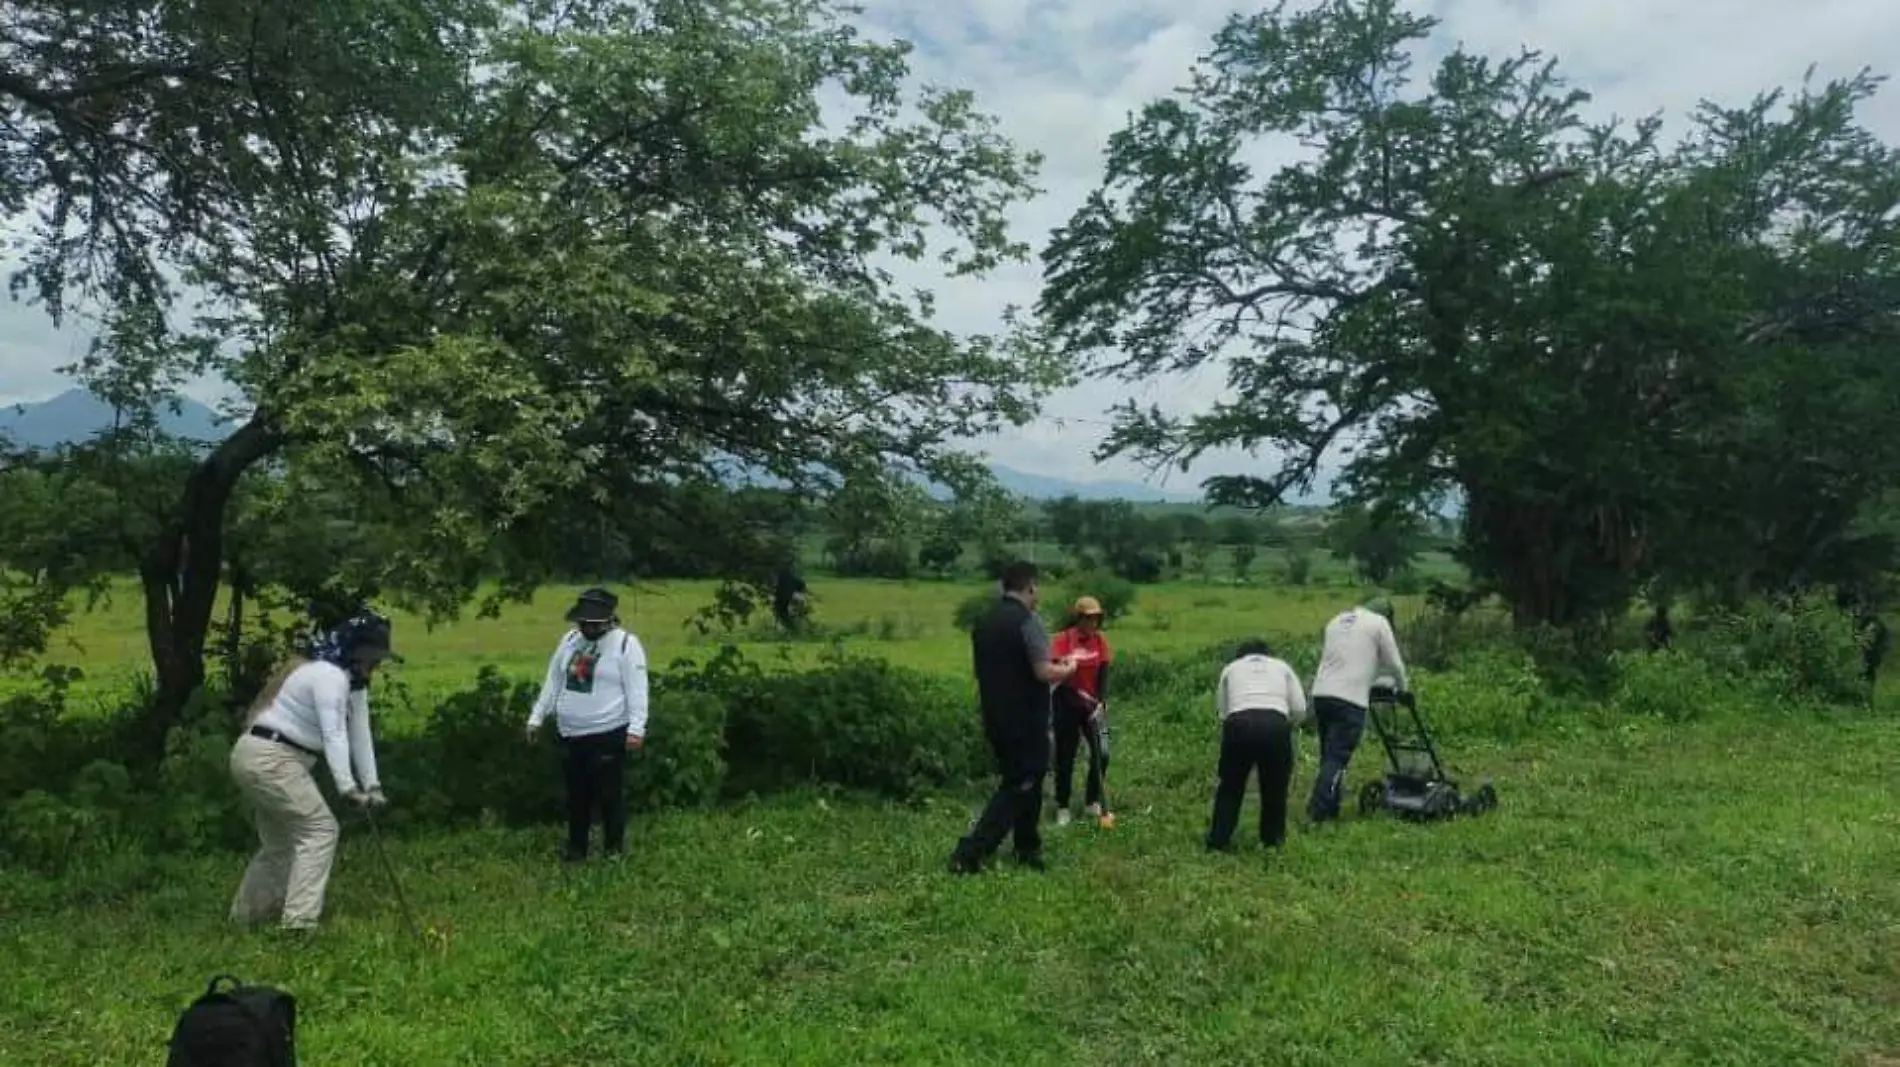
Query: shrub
pixel 855 722
pixel 1117 596
pixel 971 609
pixel 483 769
pixel 1803 650
pixel 1670 685
pixel 1495 694
pixel 202 807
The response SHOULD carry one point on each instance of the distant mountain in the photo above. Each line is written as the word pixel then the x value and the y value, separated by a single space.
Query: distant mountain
pixel 76 415
pixel 1049 487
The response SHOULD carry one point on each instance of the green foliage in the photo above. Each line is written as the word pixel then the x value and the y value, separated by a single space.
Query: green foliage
pixel 1601 341
pixel 1804 649
pixel 1670 686
pixel 1116 594
pixel 855 722
pixel 1381 542
pixel 624 258
pixel 971 609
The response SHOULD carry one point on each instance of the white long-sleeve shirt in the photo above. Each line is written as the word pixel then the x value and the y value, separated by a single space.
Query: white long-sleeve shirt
pixel 595 686
pixel 317 709
pixel 1359 647
pixel 1260 683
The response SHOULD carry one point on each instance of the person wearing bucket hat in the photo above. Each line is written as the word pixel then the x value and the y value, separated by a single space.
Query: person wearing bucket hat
pixel 1360 648
pixel 315 707
pixel 597 692
pixel 1081 706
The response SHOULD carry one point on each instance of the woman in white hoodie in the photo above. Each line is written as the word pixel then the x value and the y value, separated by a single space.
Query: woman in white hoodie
pixel 596 689
pixel 315 707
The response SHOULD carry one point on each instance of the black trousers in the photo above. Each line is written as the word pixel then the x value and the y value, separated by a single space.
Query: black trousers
pixel 1015 809
pixel 1252 741
pixel 1072 728
pixel 596 772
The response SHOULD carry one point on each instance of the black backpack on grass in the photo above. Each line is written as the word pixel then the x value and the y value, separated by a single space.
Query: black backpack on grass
pixel 238 1026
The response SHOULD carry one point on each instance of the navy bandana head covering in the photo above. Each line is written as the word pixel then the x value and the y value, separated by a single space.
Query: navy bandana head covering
pixel 365 629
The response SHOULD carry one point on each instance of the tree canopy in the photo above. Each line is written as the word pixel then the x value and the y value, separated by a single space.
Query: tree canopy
pixel 473 267
pixel 1608 345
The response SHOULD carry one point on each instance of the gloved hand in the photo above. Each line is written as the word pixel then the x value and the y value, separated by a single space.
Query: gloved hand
pixel 1098 716
pixel 533 734
pixel 376 799
pixel 1406 698
pixel 357 797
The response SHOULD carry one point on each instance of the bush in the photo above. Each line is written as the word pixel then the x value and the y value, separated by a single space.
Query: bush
pixel 855 722
pixel 475 742
pixel 1670 685
pixel 1803 650
pixel 1117 596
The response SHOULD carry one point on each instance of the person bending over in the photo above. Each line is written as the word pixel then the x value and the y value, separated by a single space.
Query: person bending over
pixel 314 708
pixel 1260 702
pixel 1359 646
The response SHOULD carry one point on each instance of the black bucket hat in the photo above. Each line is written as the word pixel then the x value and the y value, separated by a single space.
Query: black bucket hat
pixel 593 605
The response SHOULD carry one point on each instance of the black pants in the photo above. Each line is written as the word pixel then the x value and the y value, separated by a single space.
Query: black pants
pixel 1015 809
pixel 1249 741
pixel 596 766
pixel 1072 728
pixel 1341 724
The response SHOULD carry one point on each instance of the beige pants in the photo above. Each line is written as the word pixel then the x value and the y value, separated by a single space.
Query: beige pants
pixel 297 832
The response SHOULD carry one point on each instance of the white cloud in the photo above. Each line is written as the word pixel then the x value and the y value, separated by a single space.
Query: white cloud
pixel 1064 74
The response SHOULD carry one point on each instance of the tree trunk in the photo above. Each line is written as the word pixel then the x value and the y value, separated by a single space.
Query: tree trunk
pixel 181 572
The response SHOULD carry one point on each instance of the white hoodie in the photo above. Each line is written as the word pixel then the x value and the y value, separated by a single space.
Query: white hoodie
pixel 595 686
pixel 1358 644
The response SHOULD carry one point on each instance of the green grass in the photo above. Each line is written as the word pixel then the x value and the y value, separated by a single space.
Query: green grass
pixel 1717 893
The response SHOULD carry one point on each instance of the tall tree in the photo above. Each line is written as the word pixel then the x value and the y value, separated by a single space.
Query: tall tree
pixel 1465 285
pixel 465 261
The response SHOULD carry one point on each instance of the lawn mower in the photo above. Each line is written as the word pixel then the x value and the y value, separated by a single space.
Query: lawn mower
pixel 1416 787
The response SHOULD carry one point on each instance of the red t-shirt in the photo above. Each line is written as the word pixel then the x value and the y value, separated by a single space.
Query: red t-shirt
pixel 1091 654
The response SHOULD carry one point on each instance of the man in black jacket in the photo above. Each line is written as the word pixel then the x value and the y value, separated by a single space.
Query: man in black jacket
pixel 1010 652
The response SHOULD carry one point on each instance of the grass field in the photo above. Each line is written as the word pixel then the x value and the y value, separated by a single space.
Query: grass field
pixel 1724 892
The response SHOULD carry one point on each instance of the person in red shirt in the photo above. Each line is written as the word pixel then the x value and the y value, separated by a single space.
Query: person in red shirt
pixel 1080 708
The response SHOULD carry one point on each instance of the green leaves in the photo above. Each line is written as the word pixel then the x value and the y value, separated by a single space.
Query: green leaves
pixel 1462 286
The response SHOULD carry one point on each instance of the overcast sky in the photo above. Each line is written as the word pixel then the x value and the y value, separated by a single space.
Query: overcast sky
pixel 1064 74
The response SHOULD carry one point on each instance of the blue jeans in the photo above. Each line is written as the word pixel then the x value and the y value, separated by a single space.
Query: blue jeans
pixel 1341 724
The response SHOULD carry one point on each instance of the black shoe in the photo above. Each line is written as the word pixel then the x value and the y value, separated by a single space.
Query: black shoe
pixel 573 856
pixel 961 864
pixel 1223 850
pixel 1031 860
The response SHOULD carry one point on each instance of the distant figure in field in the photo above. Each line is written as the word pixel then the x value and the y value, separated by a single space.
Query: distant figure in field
pixel 1014 672
pixel 1359 647
pixel 314 707
pixel 1260 701
pixel 1081 705
pixel 1659 631
pixel 597 691
pixel 788 598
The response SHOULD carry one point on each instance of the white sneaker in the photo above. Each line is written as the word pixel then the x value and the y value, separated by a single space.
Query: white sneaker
pixel 1063 817
pixel 1093 811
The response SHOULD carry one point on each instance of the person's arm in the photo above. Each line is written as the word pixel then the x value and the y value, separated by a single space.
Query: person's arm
pixel 1036 643
pixel 551 685
pixel 1220 692
pixel 332 698
pixel 1295 695
pixel 1389 655
pixel 362 744
pixel 633 678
